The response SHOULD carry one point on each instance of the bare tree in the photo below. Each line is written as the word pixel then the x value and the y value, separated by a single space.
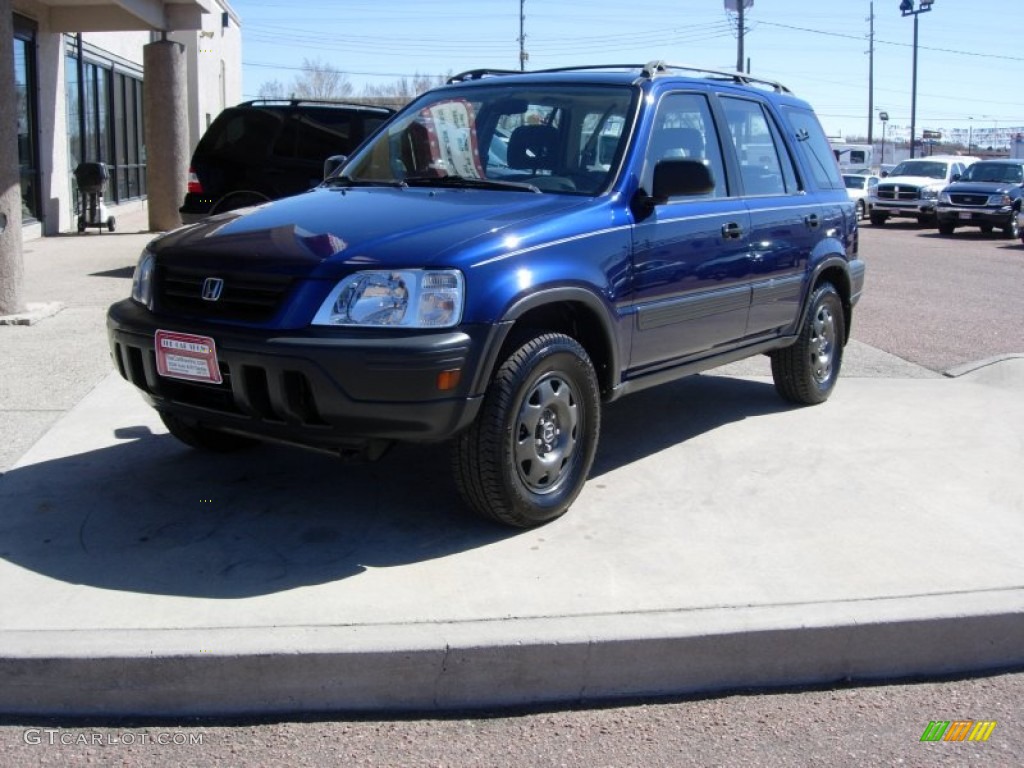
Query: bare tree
pixel 400 92
pixel 319 80
pixel 273 89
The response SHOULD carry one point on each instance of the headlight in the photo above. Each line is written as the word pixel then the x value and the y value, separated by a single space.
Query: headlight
pixel 929 193
pixel 408 298
pixel 142 280
pixel 999 200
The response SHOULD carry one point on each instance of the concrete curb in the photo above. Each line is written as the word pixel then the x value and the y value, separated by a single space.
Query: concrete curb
pixel 505 663
pixel 962 370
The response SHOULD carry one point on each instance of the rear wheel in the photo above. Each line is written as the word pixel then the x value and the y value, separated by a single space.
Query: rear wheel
pixel 526 457
pixel 806 371
pixel 204 438
pixel 861 210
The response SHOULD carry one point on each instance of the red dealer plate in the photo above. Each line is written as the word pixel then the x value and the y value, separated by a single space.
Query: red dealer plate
pixel 187 356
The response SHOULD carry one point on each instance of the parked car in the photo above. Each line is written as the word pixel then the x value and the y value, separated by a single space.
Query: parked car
pixel 642 224
pixel 912 188
pixel 264 150
pixel 860 186
pixel 987 196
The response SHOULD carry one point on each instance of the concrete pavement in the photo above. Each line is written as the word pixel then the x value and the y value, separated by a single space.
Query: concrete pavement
pixel 724 539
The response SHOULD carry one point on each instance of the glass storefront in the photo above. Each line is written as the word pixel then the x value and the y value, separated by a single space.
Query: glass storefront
pixel 104 109
pixel 25 113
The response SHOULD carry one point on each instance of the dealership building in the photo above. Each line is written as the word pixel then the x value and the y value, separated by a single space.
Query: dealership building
pixel 129 83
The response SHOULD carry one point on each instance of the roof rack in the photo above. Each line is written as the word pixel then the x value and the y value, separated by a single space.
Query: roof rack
pixel 480 74
pixel 648 71
pixel 297 102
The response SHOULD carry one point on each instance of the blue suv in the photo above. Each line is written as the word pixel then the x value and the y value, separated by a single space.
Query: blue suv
pixel 500 258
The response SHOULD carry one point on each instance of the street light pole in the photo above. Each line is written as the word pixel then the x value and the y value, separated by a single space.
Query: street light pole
pixel 970 134
pixel 907 9
pixel 884 117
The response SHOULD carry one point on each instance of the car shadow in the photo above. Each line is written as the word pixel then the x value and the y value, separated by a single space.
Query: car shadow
pixel 125 272
pixel 148 515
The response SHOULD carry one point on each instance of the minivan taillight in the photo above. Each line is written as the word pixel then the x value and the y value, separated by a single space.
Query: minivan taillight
pixel 194 187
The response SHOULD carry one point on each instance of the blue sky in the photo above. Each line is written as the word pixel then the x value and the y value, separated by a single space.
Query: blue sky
pixel 970 67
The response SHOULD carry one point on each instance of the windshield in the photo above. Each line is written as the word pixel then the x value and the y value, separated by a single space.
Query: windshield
pixel 561 139
pixel 998 172
pixel 928 168
pixel 855 182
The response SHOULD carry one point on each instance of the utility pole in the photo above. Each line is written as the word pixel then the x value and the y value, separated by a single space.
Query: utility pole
pixel 739 37
pixel 871 76
pixel 523 55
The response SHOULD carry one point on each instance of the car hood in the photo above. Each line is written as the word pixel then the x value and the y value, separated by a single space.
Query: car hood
pixel 982 187
pixel 328 231
pixel 911 181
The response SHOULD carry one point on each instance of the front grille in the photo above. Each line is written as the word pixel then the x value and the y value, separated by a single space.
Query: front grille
pixel 969 199
pixel 897 192
pixel 246 297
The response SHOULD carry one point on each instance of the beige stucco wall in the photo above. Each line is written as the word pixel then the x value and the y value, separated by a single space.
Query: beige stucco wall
pixel 214 68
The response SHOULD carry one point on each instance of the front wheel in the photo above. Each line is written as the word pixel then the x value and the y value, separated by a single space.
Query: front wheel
pixel 204 438
pixel 806 371
pixel 946 229
pixel 878 219
pixel 861 210
pixel 526 457
pixel 1012 230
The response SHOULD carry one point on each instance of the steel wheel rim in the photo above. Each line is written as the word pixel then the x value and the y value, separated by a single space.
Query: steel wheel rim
pixel 823 344
pixel 546 432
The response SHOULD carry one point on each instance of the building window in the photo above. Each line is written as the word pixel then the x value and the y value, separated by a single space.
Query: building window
pixel 105 124
pixel 25 113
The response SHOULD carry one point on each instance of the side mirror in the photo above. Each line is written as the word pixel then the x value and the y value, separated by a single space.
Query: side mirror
pixel 333 163
pixel 679 177
pixel 955 177
pixel 883 174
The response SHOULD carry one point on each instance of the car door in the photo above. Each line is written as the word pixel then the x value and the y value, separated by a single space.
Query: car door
pixel 691 288
pixel 784 223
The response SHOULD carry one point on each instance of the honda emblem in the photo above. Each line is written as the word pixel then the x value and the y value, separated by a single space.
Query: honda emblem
pixel 212 288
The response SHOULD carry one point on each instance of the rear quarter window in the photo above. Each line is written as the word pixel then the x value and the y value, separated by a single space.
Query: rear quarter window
pixel 813 148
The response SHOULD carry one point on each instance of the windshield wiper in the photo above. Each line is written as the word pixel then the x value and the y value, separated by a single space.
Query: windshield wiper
pixel 345 181
pixel 469 183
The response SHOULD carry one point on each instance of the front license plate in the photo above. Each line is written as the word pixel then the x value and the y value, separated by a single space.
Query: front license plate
pixel 966 216
pixel 187 356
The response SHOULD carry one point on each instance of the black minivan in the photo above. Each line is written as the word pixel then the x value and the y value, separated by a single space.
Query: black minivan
pixel 267 149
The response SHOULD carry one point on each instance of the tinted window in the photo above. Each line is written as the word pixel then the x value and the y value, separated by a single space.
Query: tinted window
pixel 812 143
pixel 763 158
pixel 999 172
pixel 317 134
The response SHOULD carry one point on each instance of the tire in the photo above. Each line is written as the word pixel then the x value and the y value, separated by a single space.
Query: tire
pixel 878 219
pixel 1012 230
pixel 861 210
pixel 525 458
pixel 926 221
pixel 81 225
pixel 110 224
pixel 236 200
pixel 806 371
pixel 946 229
pixel 986 228
pixel 205 439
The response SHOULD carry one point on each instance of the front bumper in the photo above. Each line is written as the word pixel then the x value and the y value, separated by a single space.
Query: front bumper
pixel 967 216
pixel 322 388
pixel 903 207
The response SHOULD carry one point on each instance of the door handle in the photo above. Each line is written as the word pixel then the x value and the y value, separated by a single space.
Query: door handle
pixel 812 221
pixel 732 231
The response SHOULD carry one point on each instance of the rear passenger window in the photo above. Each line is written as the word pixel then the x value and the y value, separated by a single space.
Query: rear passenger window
pixel 812 143
pixel 765 165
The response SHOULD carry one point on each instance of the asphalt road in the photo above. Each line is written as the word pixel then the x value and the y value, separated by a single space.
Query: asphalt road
pixel 939 302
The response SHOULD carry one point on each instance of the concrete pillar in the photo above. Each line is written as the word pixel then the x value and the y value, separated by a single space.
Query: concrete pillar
pixel 165 105
pixel 11 265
